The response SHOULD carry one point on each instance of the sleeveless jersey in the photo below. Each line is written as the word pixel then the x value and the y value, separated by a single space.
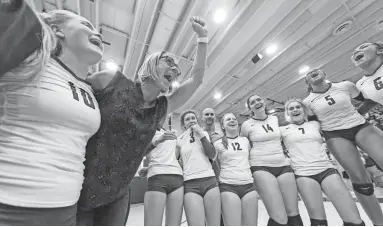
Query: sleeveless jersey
pixel 306 148
pixel 45 124
pixel 195 162
pixel 234 160
pixel 45 127
pixel 265 138
pixel 334 109
pixel 371 86
pixel 162 159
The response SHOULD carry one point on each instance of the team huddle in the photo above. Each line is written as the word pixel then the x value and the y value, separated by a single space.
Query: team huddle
pixel 71 143
pixel 251 158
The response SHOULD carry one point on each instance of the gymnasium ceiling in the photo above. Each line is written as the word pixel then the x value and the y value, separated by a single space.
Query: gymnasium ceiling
pixel 313 33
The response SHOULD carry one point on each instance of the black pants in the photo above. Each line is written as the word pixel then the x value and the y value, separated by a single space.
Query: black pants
pixel 112 214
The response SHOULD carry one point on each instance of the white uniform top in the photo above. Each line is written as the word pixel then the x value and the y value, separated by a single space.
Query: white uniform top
pixel 371 86
pixel 162 159
pixel 195 162
pixel 306 148
pixel 44 130
pixel 334 109
pixel 234 160
pixel 265 138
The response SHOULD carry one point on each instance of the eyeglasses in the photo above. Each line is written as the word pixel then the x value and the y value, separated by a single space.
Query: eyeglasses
pixel 171 63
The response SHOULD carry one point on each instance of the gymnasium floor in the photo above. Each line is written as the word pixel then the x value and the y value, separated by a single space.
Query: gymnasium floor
pixel 136 216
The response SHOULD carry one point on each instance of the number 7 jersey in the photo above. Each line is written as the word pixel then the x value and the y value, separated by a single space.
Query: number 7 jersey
pixel 372 86
pixel 334 109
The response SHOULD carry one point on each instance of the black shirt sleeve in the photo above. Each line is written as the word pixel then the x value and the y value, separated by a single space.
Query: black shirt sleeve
pixel 20 34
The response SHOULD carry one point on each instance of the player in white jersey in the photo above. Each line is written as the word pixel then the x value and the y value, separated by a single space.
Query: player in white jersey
pixel 269 166
pixel 202 199
pixel 238 196
pixel 313 169
pixel 368 57
pixel 47 112
pixel 165 182
pixel 344 129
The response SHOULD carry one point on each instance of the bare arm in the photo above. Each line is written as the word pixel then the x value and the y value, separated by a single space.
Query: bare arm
pixel 187 89
pixel 20 33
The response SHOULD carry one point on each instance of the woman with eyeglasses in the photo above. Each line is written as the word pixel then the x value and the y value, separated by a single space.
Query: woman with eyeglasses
pixel 273 176
pixel 47 112
pixel 131 112
pixel 344 129
pixel 314 171
pixel 201 193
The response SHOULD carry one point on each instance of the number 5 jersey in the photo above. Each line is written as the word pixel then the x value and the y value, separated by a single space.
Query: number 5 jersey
pixel 195 162
pixel 265 138
pixel 371 86
pixel 333 108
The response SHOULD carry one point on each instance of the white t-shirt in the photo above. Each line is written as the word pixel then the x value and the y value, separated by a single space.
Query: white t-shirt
pixel 265 138
pixel 371 86
pixel 162 159
pixel 334 109
pixel 306 148
pixel 234 161
pixel 44 130
pixel 195 162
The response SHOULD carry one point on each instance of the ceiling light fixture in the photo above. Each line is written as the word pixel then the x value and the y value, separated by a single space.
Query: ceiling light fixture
pixel 271 49
pixel 304 69
pixel 111 65
pixel 217 95
pixel 219 16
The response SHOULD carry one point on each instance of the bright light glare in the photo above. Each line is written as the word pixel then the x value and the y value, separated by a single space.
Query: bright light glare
pixel 175 84
pixel 271 49
pixel 219 16
pixel 304 69
pixel 217 95
pixel 272 111
pixel 111 65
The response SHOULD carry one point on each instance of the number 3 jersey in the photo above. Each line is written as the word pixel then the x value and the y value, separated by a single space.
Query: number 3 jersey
pixel 265 138
pixel 334 109
pixel 234 160
pixel 195 162
pixel 306 148
pixel 371 86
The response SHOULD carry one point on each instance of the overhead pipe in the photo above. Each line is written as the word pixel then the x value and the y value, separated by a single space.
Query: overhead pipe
pixel 139 9
pixel 182 19
pixel 149 35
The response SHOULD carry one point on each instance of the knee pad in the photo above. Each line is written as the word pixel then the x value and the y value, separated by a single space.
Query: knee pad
pixel 353 224
pixel 272 222
pixel 364 189
pixel 295 220
pixel 317 222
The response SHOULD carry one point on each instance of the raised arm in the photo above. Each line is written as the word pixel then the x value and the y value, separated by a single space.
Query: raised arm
pixel 20 33
pixel 187 89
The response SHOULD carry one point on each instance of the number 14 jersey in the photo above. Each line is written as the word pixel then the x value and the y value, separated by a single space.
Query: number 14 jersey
pixel 265 138
pixel 334 109
pixel 372 86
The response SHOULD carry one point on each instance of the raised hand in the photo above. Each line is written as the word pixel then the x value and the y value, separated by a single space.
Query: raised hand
pixel 167 135
pixel 199 26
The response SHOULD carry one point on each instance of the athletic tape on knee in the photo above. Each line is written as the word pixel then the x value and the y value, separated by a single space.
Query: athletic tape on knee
pixel 295 220
pixel 318 222
pixel 364 189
